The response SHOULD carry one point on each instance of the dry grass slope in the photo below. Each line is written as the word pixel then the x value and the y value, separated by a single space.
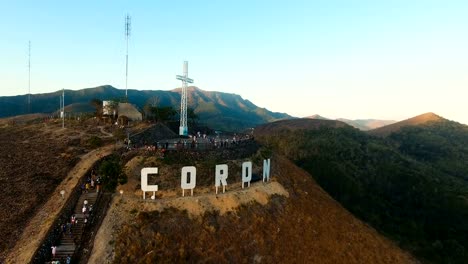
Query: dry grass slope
pixel 417 120
pixel 306 227
pixel 35 157
pixel 297 124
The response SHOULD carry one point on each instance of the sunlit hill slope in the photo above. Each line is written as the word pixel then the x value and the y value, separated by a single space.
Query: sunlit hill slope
pixel 410 185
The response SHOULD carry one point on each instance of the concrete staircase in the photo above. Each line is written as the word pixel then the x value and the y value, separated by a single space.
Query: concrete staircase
pixel 68 243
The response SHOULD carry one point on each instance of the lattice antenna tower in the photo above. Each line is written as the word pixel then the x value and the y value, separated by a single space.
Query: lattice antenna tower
pixel 29 77
pixel 183 128
pixel 128 27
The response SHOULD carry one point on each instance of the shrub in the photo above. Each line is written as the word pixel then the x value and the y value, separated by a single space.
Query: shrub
pixel 112 173
pixel 95 142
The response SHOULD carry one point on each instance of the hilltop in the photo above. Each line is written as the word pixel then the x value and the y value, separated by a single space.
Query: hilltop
pixel 410 185
pixel 288 220
pixel 220 111
pixel 316 116
pixel 414 121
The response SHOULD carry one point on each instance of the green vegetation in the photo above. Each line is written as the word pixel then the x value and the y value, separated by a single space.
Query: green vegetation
pixel 119 134
pixel 97 105
pixel 160 114
pixel 95 142
pixel 112 173
pixel 411 186
pixel 192 117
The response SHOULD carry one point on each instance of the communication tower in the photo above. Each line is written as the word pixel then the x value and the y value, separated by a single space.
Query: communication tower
pixel 128 25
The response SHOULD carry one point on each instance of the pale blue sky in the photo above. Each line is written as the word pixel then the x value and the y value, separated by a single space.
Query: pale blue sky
pixel 351 59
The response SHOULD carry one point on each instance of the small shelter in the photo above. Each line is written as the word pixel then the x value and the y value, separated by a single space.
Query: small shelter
pixel 128 113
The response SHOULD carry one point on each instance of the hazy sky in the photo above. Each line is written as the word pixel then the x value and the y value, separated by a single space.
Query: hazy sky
pixel 351 59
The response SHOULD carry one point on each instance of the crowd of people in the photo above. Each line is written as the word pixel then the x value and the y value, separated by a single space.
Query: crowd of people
pixel 197 142
pixel 92 183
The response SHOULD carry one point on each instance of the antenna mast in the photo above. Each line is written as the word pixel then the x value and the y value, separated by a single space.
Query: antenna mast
pixel 128 25
pixel 63 107
pixel 29 77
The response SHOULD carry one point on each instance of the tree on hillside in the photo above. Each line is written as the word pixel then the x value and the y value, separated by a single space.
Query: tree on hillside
pixel 152 102
pixel 112 173
pixel 97 104
pixel 157 113
pixel 192 118
pixel 163 114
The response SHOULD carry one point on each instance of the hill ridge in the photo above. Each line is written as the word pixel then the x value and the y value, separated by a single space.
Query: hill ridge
pixel 411 186
pixel 291 207
pixel 219 110
pixel 297 124
pixel 413 121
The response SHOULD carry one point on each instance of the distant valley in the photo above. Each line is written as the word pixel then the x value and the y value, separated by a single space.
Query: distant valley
pixel 361 124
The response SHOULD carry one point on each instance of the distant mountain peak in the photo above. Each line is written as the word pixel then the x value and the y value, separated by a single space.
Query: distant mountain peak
pixel 102 87
pixel 316 116
pixel 426 117
pixel 189 89
pixel 413 121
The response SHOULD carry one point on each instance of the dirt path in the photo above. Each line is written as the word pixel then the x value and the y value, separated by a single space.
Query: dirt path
pixel 37 228
pixel 107 134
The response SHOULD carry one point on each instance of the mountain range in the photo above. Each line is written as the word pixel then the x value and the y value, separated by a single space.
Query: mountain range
pixel 222 111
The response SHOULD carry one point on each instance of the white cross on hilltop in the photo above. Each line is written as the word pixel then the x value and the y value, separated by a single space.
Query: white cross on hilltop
pixel 183 129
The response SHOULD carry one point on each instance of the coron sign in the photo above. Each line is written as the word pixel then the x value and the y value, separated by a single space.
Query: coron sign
pixel 188 177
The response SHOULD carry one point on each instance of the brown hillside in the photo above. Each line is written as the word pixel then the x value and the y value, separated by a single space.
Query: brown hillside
pixel 414 121
pixel 304 226
pixel 296 124
pixel 34 159
pixel 21 119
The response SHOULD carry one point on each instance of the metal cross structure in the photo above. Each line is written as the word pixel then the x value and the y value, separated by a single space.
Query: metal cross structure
pixel 183 128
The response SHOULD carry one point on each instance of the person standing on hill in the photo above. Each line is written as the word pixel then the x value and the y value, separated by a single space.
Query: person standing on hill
pixel 54 250
pixel 98 183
